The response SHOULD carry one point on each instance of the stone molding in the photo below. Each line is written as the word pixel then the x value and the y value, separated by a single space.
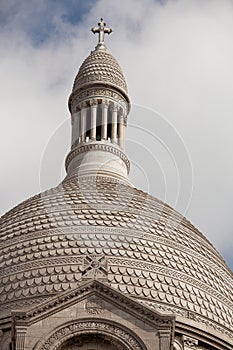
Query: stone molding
pixel 38 264
pixel 97 147
pixel 97 93
pixel 192 316
pixel 121 334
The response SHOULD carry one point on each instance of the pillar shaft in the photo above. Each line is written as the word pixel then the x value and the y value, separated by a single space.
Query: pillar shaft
pixel 121 133
pixel 164 339
pixel 104 120
pixel 83 123
pixel 114 124
pixel 93 119
pixel 75 128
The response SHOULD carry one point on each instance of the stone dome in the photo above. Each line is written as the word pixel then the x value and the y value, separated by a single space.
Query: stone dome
pixel 100 67
pixel 101 228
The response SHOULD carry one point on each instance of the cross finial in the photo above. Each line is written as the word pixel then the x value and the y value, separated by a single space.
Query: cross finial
pixel 101 30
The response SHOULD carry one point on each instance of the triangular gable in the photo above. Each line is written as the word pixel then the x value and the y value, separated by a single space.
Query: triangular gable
pixel 87 289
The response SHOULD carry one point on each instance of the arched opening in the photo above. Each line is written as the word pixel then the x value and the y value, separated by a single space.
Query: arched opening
pixel 109 127
pixel 91 342
pixel 88 123
pixel 98 123
pixel 91 335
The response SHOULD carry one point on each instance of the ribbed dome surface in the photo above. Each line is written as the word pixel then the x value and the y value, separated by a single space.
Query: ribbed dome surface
pixel 100 67
pixel 115 232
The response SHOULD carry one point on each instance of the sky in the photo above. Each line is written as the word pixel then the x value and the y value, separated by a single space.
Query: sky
pixel 177 57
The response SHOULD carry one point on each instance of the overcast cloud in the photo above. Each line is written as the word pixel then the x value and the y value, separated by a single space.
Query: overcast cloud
pixel 177 57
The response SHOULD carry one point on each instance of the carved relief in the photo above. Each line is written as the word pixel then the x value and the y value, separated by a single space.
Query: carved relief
pixel 92 341
pixel 118 333
pixel 94 306
pixel 90 92
pixel 94 266
pixel 189 343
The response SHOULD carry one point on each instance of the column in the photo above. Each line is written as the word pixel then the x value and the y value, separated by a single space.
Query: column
pixel 83 122
pixel 75 128
pixel 164 339
pixel 94 104
pixel 20 333
pixel 114 123
pixel 121 131
pixel 104 127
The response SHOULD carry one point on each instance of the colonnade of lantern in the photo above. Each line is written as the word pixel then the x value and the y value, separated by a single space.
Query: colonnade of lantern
pixel 98 120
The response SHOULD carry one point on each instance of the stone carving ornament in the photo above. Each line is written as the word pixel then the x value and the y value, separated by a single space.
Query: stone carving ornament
pixel 111 330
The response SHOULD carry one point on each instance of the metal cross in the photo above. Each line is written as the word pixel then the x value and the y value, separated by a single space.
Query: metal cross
pixel 101 30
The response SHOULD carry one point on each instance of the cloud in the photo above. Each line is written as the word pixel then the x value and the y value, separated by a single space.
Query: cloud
pixel 177 58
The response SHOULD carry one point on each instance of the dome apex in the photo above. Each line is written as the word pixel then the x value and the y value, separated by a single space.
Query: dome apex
pixel 100 67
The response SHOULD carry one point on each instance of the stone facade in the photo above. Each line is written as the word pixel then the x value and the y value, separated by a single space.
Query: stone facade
pixel 95 263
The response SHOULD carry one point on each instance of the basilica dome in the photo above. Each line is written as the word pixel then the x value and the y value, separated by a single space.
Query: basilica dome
pixel 101 228
pixel 96 225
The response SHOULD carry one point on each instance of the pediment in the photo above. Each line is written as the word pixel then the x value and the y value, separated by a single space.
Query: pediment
pixel 96 293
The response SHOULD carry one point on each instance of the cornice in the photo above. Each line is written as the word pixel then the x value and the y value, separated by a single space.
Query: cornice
pixel 98 89
pixel 184 318
pixel 217 341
